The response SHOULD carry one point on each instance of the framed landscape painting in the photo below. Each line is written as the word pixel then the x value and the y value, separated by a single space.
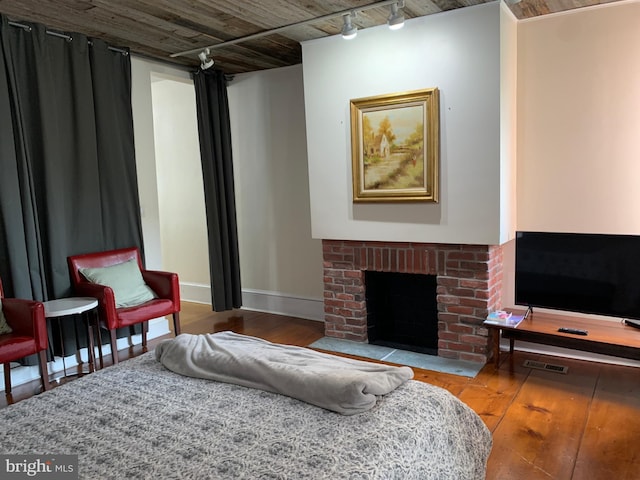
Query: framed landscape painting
pixel 395 148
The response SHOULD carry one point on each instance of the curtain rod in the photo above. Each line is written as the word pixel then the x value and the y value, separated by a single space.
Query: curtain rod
pixel 68 38
pixel 264 33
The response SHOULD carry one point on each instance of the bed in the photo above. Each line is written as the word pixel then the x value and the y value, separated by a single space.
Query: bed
pixel 139 420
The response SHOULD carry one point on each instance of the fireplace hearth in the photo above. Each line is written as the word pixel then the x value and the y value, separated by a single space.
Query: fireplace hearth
pixel 468 285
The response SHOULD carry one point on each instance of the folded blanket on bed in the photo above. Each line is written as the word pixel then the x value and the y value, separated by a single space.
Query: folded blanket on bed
pixel 336 383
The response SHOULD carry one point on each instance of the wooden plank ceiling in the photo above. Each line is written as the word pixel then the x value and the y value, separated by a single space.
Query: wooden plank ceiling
pixel 158 28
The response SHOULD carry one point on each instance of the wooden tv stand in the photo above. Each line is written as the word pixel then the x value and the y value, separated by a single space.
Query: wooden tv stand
pixel 604 337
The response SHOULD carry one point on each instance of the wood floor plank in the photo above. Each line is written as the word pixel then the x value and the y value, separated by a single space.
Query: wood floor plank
pixel 455 384
pixel 492 391
pixel 609 449
pixel 540 433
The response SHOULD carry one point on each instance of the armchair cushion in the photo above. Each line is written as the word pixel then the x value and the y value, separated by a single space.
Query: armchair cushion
pixel 125 279
pixel 4 326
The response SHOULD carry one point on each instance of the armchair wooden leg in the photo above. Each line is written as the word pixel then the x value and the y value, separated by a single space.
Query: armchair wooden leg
pixel 114 346
pixel 176 323
pixel 44 371
pixel 145 329
pixel 7 377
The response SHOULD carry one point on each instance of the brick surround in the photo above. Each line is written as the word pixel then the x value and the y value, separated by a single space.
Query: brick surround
pixel 469 285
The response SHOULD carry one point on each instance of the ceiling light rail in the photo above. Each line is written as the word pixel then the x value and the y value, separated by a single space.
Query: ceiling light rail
pixel 395 4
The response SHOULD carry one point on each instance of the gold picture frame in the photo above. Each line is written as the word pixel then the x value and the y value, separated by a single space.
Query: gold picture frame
pixel 395 147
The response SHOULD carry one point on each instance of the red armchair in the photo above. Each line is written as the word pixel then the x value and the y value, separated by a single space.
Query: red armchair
pixel 164 284
pixel 29 336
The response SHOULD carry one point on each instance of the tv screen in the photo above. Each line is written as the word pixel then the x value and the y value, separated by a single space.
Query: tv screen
pixel 579 272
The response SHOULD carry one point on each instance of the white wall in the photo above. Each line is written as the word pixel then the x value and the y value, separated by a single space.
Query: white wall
pixel 579 120
pixel 142 106
pixel 162 100
pixel 142 109
pixel 508 121
pixel 281 265
pixel 578 117
pixel 508 145
pixel 183 234
pixel 458 52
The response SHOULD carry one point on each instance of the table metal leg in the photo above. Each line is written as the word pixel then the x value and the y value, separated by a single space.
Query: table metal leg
pixel 90 348
pixel 77 332
pixel 88 324
pixel 62 352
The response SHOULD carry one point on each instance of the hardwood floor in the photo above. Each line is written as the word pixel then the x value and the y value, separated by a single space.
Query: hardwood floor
pixel 581 425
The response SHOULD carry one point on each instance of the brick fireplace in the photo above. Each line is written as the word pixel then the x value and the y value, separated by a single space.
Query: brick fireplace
pixel 469 285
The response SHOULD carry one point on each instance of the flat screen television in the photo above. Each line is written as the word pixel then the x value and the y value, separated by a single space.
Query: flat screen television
pixel 579 272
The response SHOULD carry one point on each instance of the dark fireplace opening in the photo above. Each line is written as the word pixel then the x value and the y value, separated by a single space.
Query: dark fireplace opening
pixel 402 311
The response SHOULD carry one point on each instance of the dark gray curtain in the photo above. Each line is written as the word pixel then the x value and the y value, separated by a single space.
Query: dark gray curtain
pixel 68 180
pixel 217 170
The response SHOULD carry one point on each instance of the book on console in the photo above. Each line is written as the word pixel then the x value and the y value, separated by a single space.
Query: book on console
pixel 507 319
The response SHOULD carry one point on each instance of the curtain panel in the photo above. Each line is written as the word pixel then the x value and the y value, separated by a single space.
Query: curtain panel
pixel 68 181
pixel 214 129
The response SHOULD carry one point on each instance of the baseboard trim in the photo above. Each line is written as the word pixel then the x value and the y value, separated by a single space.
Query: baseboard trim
pixel 195 292
pixel 283 304
pixel 261 301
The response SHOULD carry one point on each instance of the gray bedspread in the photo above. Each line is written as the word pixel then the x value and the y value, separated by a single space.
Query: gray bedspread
pixel 336 383
pixel 138 420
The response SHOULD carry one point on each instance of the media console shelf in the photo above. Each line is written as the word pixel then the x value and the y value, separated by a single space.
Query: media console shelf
pixel 604 337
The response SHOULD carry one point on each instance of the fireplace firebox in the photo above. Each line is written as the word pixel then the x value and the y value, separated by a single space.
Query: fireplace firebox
pixel 402 311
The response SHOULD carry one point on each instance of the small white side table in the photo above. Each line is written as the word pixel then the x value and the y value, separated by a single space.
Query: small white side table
pixel 64 307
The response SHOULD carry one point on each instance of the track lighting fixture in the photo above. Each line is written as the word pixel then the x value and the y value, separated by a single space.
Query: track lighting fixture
pixel 394 20
pixel 396 17
pixel 349 31
pixel 205 61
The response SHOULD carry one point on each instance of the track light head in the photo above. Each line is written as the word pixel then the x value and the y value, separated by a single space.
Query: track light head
pixel 396 17
pixel 205 61
pixel 349 31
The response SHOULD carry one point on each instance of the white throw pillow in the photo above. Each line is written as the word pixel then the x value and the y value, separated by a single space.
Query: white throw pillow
pixel 126 281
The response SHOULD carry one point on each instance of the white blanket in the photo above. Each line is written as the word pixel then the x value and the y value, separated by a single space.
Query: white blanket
pixel 336 383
